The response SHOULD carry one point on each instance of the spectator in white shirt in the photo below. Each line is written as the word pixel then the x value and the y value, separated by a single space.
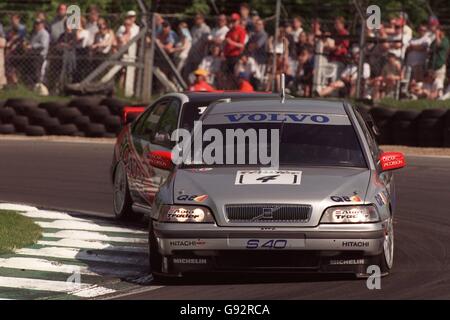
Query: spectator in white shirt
pixel 219 33
pixel 348 77
pixel 417 53
pixel 297 28
pixel 212 63
pixel 250 67
pixel 92 24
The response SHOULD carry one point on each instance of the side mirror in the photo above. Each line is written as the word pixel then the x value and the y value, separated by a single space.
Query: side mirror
pixel 160 159
pixel 392 161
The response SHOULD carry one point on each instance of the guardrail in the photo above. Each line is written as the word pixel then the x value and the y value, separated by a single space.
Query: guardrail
pixel 105 117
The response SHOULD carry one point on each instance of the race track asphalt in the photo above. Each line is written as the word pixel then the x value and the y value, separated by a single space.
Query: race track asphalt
pixel 74 176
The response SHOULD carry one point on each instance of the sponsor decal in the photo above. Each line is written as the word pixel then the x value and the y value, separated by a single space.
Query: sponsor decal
pixel 354 198
pixel 266 244
pixel 196 198
pixel 277 117
pixel 286 177
pixel 187 243
pixel 190 261
pixel 184 214
pixel 343 262
pixel 355 244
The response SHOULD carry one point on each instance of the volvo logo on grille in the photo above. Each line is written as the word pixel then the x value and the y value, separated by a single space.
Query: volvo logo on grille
pixel 267 214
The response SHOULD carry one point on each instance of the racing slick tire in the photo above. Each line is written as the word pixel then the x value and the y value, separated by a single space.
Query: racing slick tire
pixel 386 258
pixel 121 195
pixel 154 257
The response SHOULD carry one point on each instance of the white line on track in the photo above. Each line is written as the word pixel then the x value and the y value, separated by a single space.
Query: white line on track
pixel 89 235
pixel 83 244
pixel 78 225
pixel 82 255
pixel 37 264
pixel 77 289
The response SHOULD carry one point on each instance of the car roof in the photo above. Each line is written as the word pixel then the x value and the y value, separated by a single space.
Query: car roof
pixel 271 104
pixel 208 97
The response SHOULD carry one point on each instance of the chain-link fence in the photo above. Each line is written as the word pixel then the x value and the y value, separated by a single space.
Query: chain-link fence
pixel 321 52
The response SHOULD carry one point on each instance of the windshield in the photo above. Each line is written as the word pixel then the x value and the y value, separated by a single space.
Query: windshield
pixel 298 144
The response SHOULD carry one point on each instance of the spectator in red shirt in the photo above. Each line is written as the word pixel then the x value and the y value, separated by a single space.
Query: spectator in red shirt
pixel 234 43
pixel 339 51
pixel 200 83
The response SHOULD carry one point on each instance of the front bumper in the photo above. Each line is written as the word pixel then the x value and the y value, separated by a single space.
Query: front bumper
pixel 328 248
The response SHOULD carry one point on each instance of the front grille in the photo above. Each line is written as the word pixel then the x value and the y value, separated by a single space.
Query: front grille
pixel 299 213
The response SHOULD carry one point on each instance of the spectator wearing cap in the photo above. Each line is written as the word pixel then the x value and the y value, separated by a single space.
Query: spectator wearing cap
pixel 439 51
pixel 200 83
pixel 37 50
pixel 129 28
pixel 256 45
pixel 417 53
pixel 348 77
pixel 219 33
pixel 57 26
pixel 234 43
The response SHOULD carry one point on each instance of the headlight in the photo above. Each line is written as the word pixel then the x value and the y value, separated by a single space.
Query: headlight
pixel 351 214
pixel 188 214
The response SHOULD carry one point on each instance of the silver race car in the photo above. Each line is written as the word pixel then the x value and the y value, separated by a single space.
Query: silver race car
pixel 325 204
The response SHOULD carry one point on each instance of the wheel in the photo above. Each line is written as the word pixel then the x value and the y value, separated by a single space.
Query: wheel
pixel 387 258
pixel 122 198
pixel 155 258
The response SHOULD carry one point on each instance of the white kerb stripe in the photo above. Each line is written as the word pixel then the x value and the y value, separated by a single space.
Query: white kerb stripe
pixel 36 264
pixel 91 235
pixel 78 289
pixel 77 225
pixel 16 207
pixel 72 243
pixel 80 254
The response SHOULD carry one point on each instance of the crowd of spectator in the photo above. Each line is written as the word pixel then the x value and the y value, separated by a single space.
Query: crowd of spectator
pixel 54 52
pixel 237 53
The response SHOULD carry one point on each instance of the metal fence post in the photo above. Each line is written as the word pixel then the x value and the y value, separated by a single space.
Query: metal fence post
pixel 148 64
pixel 362 44
pixel 275 41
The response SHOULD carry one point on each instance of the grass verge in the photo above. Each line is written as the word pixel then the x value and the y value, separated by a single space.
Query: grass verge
pixel 414 104
pixel 16 231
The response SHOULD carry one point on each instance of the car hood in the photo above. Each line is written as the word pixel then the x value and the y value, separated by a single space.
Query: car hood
pixel 319 187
